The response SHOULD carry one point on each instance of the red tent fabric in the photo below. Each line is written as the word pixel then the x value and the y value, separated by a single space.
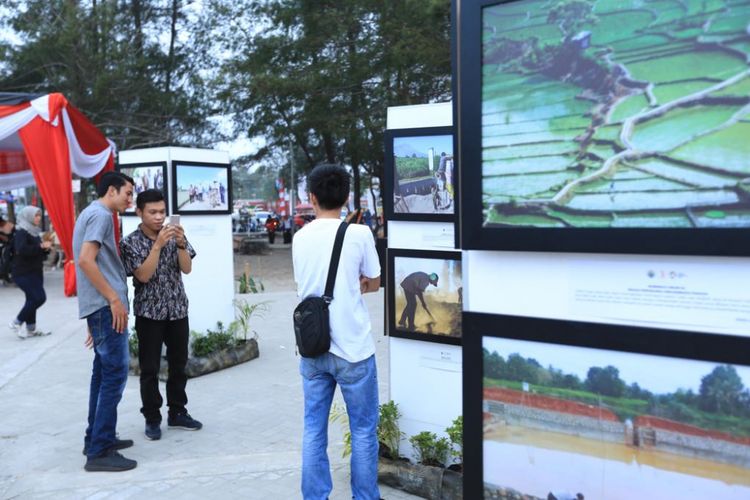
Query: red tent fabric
pixel 43 140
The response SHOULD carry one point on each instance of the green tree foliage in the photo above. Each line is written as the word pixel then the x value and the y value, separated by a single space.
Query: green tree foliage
pixel 722 391
pixel 120 61
pixel 605 381
pixel 319 75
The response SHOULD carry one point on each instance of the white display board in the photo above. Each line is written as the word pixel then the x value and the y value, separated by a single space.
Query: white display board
pixel 210 285
pixel 703 294
pixel 425 377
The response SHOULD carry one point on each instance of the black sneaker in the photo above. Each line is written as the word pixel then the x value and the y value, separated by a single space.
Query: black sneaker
pixel 153 431
pixel 184 421
pixel 120 444
pixel 111 461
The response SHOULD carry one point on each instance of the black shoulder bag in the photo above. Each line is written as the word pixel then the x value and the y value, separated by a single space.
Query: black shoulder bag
pixel 312 328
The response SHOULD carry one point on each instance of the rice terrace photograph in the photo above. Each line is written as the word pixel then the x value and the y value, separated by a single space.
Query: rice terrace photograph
pixel 620 425
pixel 616 113
pixel 427 296
pixel 423 175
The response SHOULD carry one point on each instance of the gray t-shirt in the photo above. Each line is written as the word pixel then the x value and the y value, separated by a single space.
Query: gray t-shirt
pixel 95 224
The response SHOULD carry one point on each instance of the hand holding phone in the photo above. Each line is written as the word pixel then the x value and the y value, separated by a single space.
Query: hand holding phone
pixel 174 220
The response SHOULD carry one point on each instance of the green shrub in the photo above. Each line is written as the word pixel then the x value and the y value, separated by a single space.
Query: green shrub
pixel 456 435
pixel 212 341
pixel 244 312
pixel 429 449
pixel 250 285
pixel 389 434
pixel 133 343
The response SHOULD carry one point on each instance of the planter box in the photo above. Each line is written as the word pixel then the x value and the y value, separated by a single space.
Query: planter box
pixel 200 365
pixel 434 483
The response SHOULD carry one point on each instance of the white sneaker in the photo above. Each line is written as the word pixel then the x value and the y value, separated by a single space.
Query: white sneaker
pixel 15 327
pixel 36 333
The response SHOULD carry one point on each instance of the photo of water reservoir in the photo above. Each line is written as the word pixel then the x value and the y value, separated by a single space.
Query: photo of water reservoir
pixel 612 425
pixel 616 113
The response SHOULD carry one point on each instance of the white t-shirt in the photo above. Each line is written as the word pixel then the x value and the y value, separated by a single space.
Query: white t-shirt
pixel 311 253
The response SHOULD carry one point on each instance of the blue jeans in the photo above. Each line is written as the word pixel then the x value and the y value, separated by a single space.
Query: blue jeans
pixel 108 378
pixel 32 285
pixel 359 386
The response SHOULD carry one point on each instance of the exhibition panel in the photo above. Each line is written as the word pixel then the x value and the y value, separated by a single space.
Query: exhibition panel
pixel 424 295
pixel 605 411
pixel 146 176
pixel 201 188
pixel 605 126
pixel 421 174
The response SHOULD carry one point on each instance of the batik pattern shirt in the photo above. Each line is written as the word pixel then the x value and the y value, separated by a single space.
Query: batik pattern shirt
pixel 163 297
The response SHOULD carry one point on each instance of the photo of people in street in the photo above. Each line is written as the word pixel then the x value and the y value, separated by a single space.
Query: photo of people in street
pixel 145 177
pixel 634 425
pixel 427 295
pixel 423 174
pixel 202 189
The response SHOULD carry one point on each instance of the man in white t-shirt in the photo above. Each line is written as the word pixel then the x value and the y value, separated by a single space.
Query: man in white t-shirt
pixel 350 363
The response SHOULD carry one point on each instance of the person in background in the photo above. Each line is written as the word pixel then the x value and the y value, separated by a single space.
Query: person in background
pixel 6 230
pixel 287 225
pixel 156 255
pixel 350 362
pixel 30 253
pixel 103 302
pixel 272 224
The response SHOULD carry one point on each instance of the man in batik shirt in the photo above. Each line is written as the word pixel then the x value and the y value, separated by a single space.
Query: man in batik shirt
pixel 155 255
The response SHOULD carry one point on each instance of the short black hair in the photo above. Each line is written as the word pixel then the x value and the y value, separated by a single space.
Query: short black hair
pixel 148 196
pixel 114 179
pixel 330 185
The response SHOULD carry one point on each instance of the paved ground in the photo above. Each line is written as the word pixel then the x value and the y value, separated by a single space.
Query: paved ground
pixel 252 414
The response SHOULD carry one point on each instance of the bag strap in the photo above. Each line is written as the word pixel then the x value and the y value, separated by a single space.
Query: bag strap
pixel 334 265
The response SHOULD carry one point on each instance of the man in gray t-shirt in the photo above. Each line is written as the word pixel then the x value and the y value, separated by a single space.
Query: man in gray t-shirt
pixel 103 302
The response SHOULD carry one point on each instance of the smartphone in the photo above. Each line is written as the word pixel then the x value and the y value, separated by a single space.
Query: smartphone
pixel 174 220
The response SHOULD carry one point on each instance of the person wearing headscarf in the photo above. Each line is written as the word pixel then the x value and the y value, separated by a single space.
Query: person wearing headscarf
pixel 26 269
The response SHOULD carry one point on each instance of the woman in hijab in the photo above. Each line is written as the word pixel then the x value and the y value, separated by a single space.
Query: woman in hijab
pixel 30 253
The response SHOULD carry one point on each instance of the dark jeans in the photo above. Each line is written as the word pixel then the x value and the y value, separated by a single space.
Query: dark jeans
pixel 151 335
pixel 108 379
pixel 32 285
pixel 407 317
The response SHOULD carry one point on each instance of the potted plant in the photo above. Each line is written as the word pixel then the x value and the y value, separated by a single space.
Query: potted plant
pixel 428 478
pixel 219 347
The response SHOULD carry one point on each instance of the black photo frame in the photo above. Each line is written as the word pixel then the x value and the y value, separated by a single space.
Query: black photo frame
pixel 186 174
pixel 137 171
pixel 401 263
pixel 566 338
pixel 716 231
pixel 394 211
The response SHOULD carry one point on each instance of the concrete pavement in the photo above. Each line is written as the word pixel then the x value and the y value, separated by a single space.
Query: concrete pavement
pixel 250 446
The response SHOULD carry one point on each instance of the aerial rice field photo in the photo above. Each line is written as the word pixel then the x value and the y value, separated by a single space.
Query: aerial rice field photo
pixel 613 113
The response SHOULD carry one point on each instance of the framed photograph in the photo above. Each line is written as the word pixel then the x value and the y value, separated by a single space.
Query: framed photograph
pixel 604 126
pixel 425 295
pixel 421 175
pixel 201 188
pixel 645 414
pixel 151 175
